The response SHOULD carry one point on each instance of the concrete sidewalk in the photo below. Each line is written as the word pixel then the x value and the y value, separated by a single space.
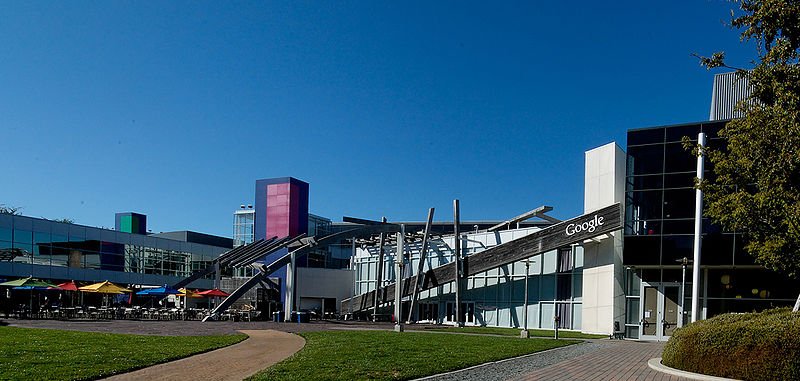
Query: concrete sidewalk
pixel 260 350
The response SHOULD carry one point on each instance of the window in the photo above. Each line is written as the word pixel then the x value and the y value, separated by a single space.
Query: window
pixel 645 160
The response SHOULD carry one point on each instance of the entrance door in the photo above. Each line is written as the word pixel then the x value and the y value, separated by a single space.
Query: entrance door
pixel 661 310
pixel 467 312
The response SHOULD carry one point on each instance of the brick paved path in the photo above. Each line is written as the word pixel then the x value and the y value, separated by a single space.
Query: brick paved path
pixel 261 350
pixel 622 360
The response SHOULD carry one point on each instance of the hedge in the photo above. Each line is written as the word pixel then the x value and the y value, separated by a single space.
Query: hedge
pixel 753 346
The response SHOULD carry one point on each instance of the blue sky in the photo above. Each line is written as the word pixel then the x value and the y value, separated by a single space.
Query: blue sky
pixel 174 109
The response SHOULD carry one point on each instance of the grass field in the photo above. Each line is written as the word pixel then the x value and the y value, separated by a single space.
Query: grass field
pixel 44 354
pixel 382 355
pixel 515 332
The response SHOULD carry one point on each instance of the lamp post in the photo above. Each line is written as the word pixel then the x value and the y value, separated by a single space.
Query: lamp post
pixel 684 263
pixel 398 281
pixel 524 333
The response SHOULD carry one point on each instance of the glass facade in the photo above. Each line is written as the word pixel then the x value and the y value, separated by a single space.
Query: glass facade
pixel 659 232
pixel 495 297
pixel 243 227
pixel 39 242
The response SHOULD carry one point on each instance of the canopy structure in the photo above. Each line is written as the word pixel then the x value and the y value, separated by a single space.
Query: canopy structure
pixel 159 291
pixel 187 293
pixel 29 283
pixel 104 287
pixel 214 292
pixel 68 286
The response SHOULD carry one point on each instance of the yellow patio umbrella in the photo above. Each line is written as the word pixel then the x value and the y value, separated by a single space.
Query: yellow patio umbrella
pixel 187 293
pixel 104 287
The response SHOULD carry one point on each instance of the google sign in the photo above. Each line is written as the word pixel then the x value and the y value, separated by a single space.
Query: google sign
pixel 586 226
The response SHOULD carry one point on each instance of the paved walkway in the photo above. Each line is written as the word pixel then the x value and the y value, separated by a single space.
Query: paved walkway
pixel 236 362
pixel 621 360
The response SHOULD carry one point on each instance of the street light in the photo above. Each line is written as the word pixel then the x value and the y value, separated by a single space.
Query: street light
pixel 524 333
pixel 684 263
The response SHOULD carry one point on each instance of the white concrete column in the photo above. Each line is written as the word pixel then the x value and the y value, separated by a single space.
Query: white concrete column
pixel 291 282
pixel 603 292
pixel 698 230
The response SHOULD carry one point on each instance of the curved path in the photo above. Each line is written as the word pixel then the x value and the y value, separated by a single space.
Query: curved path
pixel 260 350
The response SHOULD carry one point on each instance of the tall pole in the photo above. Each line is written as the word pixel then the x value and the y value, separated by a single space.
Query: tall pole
pixel 379 275
pixel 398 281
pixel 457 255
pixel 525 334
pixel 684 263
pixel 698 229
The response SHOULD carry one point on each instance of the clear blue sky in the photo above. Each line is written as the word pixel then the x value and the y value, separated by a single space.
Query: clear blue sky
pixel 174 109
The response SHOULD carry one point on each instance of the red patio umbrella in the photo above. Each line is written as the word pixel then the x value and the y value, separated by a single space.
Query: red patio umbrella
pixel 214 292
pixel 68 286
pixel 72 287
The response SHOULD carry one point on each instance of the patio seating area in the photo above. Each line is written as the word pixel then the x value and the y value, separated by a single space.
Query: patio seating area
pixel 29 298
pixel 125 313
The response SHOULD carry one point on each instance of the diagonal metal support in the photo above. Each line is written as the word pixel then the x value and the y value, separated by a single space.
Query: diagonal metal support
pixel 249 250
pixel 379 280
pixel 538 212
pixel 258 254
pixel 421 266
pixel 298 246
pixel 224 261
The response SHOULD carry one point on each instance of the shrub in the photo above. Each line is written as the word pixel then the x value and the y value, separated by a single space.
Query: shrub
pixel 754 346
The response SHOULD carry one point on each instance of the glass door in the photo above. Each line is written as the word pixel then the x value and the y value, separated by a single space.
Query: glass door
pixel 661 310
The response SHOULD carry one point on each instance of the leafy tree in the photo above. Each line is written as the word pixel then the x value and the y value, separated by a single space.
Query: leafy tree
pixel 5 209
pixel 757 186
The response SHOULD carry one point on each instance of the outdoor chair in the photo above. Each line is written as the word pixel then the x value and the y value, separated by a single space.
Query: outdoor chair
pixel 618 332
pixel 164 315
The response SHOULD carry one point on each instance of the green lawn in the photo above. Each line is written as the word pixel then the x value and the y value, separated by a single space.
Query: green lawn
pixel 515 332
pixel 382 355
pixel 45 354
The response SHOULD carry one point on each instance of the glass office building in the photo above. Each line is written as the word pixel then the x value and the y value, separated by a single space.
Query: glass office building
pixel 659 234
pixel 62 251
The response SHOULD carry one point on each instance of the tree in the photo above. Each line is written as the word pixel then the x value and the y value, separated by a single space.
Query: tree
pixel 5 209
pixel 757 185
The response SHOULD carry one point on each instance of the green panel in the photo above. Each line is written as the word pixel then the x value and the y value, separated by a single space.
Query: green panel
pixel 126 223
pixel 134 225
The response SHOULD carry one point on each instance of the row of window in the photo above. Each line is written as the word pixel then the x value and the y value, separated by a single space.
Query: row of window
pixel 673 133
pixel 116 257
pixel 540 315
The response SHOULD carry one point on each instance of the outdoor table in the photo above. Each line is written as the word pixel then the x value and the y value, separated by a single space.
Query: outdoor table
pixel 244 315
pixel 68 312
